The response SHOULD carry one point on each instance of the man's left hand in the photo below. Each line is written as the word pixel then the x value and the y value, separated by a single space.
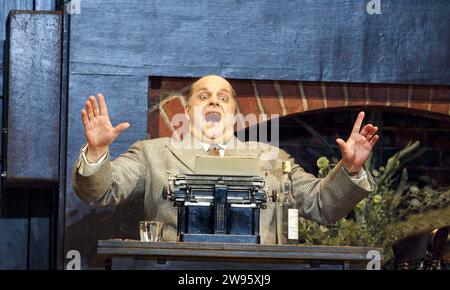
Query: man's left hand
pixel 358 146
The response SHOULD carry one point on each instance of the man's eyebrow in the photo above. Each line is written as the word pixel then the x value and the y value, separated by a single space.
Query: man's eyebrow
pixel 226 90
pixel 203 89
pixel 200 90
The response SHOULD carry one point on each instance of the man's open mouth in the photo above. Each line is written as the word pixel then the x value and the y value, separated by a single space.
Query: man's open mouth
pixel 213 117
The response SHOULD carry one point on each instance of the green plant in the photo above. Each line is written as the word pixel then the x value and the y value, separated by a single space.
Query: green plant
pixel 373 221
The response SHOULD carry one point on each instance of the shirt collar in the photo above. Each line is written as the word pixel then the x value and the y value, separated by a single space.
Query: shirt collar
pixel 206 146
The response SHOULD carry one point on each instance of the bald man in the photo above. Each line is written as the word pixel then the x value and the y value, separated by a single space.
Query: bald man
pixel 211 108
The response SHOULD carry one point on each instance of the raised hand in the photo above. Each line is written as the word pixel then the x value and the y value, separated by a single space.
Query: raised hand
pixel 98 129
pixel 358 146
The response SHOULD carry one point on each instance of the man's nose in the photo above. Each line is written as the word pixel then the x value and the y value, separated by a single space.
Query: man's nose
pixel 214 100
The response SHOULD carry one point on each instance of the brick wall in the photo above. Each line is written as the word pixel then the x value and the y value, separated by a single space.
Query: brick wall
pixel 407 112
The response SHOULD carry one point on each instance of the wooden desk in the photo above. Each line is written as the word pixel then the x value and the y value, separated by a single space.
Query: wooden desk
pixel 118 254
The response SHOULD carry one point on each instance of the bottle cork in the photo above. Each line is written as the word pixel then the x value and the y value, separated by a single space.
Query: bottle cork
pixel 286 166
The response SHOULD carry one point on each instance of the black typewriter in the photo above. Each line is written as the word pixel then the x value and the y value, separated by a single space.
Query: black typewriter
pixel 215 208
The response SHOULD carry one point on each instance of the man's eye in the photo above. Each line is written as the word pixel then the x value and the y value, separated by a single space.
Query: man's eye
pixel 203 97
pixel 223 98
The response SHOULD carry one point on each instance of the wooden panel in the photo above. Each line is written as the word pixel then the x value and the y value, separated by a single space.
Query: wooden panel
pixel 2 44
pixel 44 4
pixel 36 208
pixel 39 243
pixel 42 214
pixel 5 7
pixel 15 252
pixel 33 97
pixel 1 135
pixel 324 40
pixel 234 250
pixel 176 255
pixel 13 245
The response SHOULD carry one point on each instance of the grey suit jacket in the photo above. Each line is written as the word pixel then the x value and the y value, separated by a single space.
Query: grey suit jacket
pixel 143 169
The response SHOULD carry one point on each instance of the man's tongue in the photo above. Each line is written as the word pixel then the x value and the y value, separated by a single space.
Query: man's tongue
pixel 212 117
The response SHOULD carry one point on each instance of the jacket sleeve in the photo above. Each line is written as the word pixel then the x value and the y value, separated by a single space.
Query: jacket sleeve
pixel 111 182
pixel 328 199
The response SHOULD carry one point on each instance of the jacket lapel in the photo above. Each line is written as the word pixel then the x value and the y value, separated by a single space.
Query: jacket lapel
pixel 186 151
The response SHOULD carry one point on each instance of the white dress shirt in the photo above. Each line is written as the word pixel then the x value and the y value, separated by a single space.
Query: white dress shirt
pixel 222 148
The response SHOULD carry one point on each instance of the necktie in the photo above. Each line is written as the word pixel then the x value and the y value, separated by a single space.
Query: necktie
pixel 214 150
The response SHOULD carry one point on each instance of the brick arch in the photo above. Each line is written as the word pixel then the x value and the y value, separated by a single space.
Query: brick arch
pixel 286 98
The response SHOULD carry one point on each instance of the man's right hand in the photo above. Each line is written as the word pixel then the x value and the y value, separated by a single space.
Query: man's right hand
pixel 98 129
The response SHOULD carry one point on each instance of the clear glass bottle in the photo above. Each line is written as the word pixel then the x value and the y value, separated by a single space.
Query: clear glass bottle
pixel 288 211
